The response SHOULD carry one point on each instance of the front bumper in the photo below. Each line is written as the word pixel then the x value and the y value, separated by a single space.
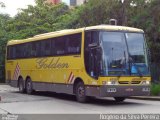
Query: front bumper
pixel 118 91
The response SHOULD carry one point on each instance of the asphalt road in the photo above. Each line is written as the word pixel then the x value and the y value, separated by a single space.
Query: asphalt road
pixel 52 103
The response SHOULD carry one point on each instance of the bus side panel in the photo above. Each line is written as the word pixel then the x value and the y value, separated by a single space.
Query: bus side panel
pixel 56 74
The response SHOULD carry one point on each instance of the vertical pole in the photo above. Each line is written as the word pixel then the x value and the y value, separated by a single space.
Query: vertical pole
pixel 123 13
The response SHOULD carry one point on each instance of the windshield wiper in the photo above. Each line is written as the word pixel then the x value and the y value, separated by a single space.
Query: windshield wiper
pixel 123 61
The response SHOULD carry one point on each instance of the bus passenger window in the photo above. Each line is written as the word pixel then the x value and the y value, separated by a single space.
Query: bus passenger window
pixel 60 46
pixel 53 52
pixel 33 50
pixel 74 44
pixel 28 48
pixel 9 53
pixel 47 47
pixel 38 48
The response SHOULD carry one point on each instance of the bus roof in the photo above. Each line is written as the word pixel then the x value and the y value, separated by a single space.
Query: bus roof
pixel 72 31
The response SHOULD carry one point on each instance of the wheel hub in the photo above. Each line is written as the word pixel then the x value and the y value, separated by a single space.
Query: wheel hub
pixel 29 86
pixel 81 91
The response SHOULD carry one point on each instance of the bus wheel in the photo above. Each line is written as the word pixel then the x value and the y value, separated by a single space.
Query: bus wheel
pixel 81 93
pixel 21 86
pixel 29 87
pixel 119 99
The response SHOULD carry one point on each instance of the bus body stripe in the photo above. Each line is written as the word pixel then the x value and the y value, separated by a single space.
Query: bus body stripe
pixel 16 72
pixel 69 77
pixel 72 79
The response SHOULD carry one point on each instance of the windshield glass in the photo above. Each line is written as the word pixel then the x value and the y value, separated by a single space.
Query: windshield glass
pixel 137 51
pixel 135 43
pixel 114 53
pixel 123 54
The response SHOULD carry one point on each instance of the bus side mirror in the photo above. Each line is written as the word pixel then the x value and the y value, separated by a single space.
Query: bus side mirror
pixel 94 45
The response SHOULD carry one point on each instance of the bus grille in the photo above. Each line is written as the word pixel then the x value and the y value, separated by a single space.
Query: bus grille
pixel 123 82
pixel 135 82
pixel 129 82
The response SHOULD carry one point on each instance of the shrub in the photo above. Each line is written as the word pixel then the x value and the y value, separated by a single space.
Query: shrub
pixel 155 89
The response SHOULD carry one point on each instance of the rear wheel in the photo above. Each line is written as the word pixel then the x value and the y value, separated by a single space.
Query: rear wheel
pixel 21 86
pixel 81 92
pixel 29 87
pixel 119 99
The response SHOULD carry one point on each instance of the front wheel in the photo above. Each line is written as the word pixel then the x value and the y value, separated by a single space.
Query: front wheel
pixel 119 99
pixel 29 87
pixel 81 92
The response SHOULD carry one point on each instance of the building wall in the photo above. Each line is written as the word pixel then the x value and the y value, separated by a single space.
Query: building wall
pixel 76 2
pixel 54 1
pixel 80 2
pixel 73 3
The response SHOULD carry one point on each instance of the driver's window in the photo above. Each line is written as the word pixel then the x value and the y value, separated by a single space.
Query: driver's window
pixel 91 54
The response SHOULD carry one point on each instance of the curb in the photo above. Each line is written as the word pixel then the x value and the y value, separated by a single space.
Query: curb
pixel 154 98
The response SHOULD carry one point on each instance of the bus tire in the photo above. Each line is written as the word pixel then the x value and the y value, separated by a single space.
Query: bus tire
pixel 80 92
pixel 29 87
pixel 119 99
pixel 21 85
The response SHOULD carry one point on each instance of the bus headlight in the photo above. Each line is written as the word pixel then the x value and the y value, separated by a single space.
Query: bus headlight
pixel 112 82
pixel 145 82
pixel 109 83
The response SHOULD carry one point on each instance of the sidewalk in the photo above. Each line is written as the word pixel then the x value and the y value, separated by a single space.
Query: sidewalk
pixel 6 88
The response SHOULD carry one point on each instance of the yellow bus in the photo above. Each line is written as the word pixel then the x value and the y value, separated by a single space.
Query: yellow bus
pixel 95 61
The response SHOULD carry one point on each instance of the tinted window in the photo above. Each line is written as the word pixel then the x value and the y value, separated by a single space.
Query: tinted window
pixel 66 45
pixel 53 49
pixel 33 49
pixel 13 52
pixel 28 48
pixel 45 48
pixel 21 51
pixel 9 53
pixel 92 55
pixel 38 48
pixel 74 44
pixel 60 45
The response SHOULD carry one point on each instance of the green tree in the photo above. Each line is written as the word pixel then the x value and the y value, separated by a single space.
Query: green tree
pixel 36 20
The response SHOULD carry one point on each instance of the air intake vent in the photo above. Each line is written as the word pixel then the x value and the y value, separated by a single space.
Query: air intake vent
pixel 129 82
pixel 113 22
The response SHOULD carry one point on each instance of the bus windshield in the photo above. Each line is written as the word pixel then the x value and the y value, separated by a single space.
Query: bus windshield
pixel 123 54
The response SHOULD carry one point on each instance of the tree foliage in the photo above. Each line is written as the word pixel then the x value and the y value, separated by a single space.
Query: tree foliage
pixel 43 17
